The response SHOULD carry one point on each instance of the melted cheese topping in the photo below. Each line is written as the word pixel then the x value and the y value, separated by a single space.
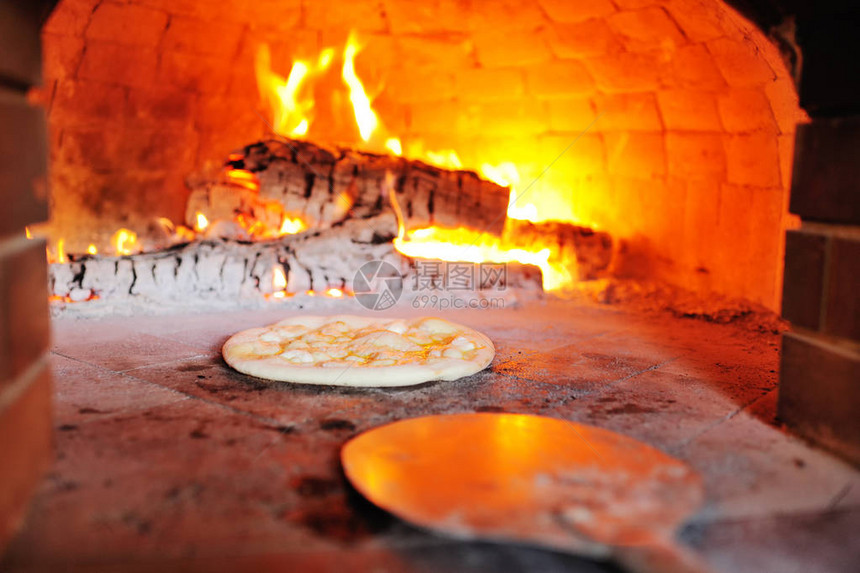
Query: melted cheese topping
pixel 341 343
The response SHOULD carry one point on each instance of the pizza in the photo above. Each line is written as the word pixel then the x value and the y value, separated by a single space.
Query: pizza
pixel 348 350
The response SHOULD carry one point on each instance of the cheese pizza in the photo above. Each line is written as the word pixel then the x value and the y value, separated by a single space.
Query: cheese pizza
pixel 348 350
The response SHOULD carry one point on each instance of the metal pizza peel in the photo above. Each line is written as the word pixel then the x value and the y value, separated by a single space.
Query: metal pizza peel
pixel 531 479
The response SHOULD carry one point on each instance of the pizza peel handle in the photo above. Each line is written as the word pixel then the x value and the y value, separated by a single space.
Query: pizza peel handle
pixel 542 481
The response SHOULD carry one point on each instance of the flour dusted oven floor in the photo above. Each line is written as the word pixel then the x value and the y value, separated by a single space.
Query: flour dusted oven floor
pixel 166 459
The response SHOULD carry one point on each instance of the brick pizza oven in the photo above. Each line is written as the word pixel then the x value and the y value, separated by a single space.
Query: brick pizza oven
pixel 672 126
pixel 689 154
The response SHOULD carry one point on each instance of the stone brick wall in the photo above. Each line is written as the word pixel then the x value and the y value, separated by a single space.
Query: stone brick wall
pixel 820 373
pixel 25 380
pixel 688 156
pixel 819 394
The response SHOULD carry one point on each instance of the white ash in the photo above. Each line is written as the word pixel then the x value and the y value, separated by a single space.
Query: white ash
pixel 225 274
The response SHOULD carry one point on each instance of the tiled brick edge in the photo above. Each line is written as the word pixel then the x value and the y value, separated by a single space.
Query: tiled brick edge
pixel 822 274
pixel 826 170
pixel 25 443
pixel 820 374
pixel 819 393
pixel 25 377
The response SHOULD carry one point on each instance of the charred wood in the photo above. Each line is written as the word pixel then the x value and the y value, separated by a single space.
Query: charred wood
pixel 325 186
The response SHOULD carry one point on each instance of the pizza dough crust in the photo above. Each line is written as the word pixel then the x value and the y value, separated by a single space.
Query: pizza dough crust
pixel 346 350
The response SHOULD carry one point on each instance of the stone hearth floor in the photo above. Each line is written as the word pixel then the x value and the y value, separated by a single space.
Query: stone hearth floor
pixel 166 459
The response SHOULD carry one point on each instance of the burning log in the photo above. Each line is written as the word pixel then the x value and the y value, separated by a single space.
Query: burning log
pixel 243 272
pixel 590 250
pixel 270 180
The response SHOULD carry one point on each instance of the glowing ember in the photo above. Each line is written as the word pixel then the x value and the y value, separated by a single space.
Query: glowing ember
pixel 92 250
pixel 467 245
pixel 124 242
pixel 167 225
pixel 200 222
pixel 61 251
pixel 470 246
pixel 334 292
pixel 446 158
pixel 292 226
pixel 185 234
pixel 393 145
pixel 279 279
pixel 243 178
pixel 279 283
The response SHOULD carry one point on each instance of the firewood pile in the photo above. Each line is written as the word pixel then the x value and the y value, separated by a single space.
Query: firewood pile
pixel 346 201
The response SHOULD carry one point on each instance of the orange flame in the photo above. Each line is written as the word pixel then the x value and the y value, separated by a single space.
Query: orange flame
pixel 446 158
pixel 92 249
pixel 365 117
pixel 200 222
pixel 292 106
pixel 471 246
pixel 507 175
pixel 183 233
pixel 167 225
pixel 292 226
pixel 124 242
pixel 291 102
pixel 243 178
pixel 279 282
pixel 61 251
pixel 393 145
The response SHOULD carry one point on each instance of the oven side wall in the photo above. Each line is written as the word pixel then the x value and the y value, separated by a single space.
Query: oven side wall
pixel 25 379
pixel 819 394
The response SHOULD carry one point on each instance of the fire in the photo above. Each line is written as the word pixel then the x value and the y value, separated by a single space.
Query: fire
pixel 27 233
pixel 507 175
pixel 393 145
pixel 365 117
pixel 291 226
pixel 279 282
pixel 167 225
pixel 291 102
pixel 124 242
pixel 61 251
pixel 470 246
pixel 200 222
pixel 292 106
pixel 447 158
pixel 184 234
pixel 243 178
